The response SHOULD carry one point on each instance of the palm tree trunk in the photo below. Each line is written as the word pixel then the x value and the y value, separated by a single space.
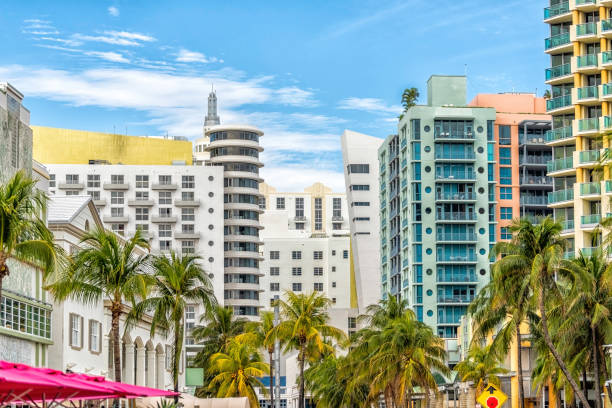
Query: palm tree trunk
pixel 585 387
pixel 271 354
pixel 596 368
pixel 519 367
pixel 301 358
pixel 115 316
pixel 555 353
pixel 178 342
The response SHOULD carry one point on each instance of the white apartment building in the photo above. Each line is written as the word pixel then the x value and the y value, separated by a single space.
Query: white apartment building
pixel 361 172
pixel 81 332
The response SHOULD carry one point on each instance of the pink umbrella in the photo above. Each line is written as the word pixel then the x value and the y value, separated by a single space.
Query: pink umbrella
pixel 122 389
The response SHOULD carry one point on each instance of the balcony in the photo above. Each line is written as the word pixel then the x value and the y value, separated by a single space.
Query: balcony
pixel 567 225
pixel 585 64
pixel 455 196
pixel 534 161
pixel 586 127
pixel 466 155
pixel 559 165
pixel 116 186
pixel 588 95
pixel 559 74
pixel 590 189
pixel 456 216
pixel 588 157
pixel 560 104
pixel 453 135
pixel 187 203
pixel 466 278
pixel 464 300
pixel 557 13
pixel 560 136
pixel 567 255
pixel 589 251
pixel 605 28
pixel 592 219
pixel 558 43
pixel 456 175
pixel 586 5
pixel 164 187
pixel 608 186
pixel 71 186
pixel 561 196
pixel 457 236
pixel 163 220
pixel 140 203
pixel 537 181
pixel 123 219
pixel 586 32
pixel 535 201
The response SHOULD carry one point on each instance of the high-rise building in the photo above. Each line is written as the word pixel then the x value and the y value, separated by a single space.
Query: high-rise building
pixel 15 133
pixel 212 118
pixel 361 173
pixel 521 157
pixel 580 59
pixel 437 209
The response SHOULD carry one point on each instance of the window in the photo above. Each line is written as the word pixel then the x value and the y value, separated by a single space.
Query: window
pixel 333 284
pixel 117 197
pixel 117 179
pixel 352 323
pixel 188 229
pixel 95 343
pixel 333 252
pixel 318 215
pixel 116 211
pixel 142 181
pixel 188 247
pixel 299 225
pixel 490 134
pixel 274 255
pixel 337 226
pixel 296 254
pixel 334 301
pixel 345 254
pixel 505 193
pixel 164 230
pixel 318 287
pixel 333 269
pixel 296 287
pixel 505 213
pixel 504 135
pixel 262 203
pixel 274 286
pixel 142 214
pixel 118 228
pixel 72 179
pixel 361 219
pixel 415 125
pixel 358 168
pixel 93 181
pixel 72 192
pixel 188 181
pixel 187 196
pixel 280 203
pixel 317 255
pixel 274 271
pixel 505 233
pixel 37 320
pixel 51 180
pixel 505 175
pixel 165 198
pixel 142 195
pixel 76 331
pixel 165 212
pixel 296 271
pixel 190 313
pixel 165 245
pixel 337 207
pixel 318 271
pixel 187 214
pixel 359 187
pixel 142 227
pixel 299 207
pixel 165 180
pixel 360 204
pixel 95 195
pixel 505 156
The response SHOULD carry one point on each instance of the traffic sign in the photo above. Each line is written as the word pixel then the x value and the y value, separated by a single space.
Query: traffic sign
pixel 492 397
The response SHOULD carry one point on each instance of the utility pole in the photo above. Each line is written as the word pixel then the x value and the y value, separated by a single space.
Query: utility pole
pixel 276 402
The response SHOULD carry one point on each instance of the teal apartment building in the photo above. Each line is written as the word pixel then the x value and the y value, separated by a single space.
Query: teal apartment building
pixel 437 205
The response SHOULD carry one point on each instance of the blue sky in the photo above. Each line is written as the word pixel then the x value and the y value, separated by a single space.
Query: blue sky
pixel 302 71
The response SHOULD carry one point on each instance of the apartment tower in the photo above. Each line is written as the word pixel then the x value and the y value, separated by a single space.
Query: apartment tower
pixel 580 59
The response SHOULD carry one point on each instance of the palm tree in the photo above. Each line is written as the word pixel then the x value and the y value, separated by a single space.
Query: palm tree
pixel 236 372
pixel 178 281
pixel 482 367
pixel 590 306
pixel 538 251
pixel 304 329
pixel 409 98
pixel 109 268
pixel 23 233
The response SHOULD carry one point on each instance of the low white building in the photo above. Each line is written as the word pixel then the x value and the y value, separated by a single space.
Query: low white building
pixel 81 332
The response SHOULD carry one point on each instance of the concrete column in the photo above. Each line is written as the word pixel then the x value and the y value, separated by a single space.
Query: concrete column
pixel 160 368
pixel 151 368
pixel 140 366
pixel 128 365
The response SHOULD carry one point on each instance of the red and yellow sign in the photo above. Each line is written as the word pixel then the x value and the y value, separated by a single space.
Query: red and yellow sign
pixel 492 397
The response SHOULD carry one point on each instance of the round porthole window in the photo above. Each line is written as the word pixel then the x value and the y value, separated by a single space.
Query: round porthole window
pixel 427 128
pixel 211 275
pixel 210 226
pixel 483 272
pixel 429 271
pixel 428 210
pixel 481 190
pixel 210 178
pixel 427 149
pixel 480 129
pixel 211 194
pixel 427 169
pixel 481 211
pixel 480 149
pixel 482 251
pixel 429 292
pixel 211 243
pixel 481 170
pixel 428 251
pixel 428 231
pixel 482 231
pixel 211 210
pixel 211 259
pixel 430 313
pixel 428 190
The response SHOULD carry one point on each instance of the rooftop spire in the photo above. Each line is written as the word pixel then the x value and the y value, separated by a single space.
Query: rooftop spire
pixel 212 118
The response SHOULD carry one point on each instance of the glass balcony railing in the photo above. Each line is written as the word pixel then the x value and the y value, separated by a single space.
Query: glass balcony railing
pixel 606 57
pixel 588 124
pixel 557 40
pixel 451 195
pixel 456 216
pixel 455 299
pixel 589 156
pixel 608 186
pixel 584 61
pixel 559 102
pixel 560 196
pixel 534 200
pixel 586 29
pixel 568 254
pixel 590 188
pixel 585 2
pixel 460 278
pixel 536 180
pixel 559 134
pixel 567 225
pixel 456 175
pixel 606 25
pixel 563 163
pixel 588 92
pixel 589 251
pixel 457 236
pixel 556 10
pixel 590 219
pixel 558 71
pixel 534 159
pixel 466 155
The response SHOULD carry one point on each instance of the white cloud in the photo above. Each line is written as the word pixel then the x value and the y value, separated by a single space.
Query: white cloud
pixel 194 56
pixel 69 43
pixel 123 38
pixel 295 96
pixel 296 178
pixel 113 11
pixel 108 56
pixel 374 105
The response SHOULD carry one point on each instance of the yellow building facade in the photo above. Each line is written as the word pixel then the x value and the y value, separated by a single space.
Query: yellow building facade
pixel 67 146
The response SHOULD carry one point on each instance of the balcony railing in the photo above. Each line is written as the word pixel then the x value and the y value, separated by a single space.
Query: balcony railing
pixel 590 188
pixel 466 278
pixel 559 134
pixel 563 163
pixel 606 25
pixel 455 299
pixel 456 175
pixel 560 196
pixel 567 225
pixel 590 219
pixel 534 159
pixel 556 10
pixel 557 40
pixel 559 102
pixel 589 251
pixel 586 29
pixel 606 89
pixel 589 156
pixel 608 186
pixel 447 195
pixel 585 125
pixel 456 216
pixel 558 71
pixel 588 92
pixel 585 2
pixel 457 134
pixel 534 200
pixel 536 180
pixel 457 236
pixel 466 155
pixel 588 60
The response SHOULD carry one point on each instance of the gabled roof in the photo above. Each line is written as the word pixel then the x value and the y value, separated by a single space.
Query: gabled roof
pixel 64 209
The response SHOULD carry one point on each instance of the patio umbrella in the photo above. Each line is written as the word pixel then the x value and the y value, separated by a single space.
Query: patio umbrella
pixel 121 389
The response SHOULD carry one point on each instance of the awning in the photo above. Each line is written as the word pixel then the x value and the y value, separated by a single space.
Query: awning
pixel 22 384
